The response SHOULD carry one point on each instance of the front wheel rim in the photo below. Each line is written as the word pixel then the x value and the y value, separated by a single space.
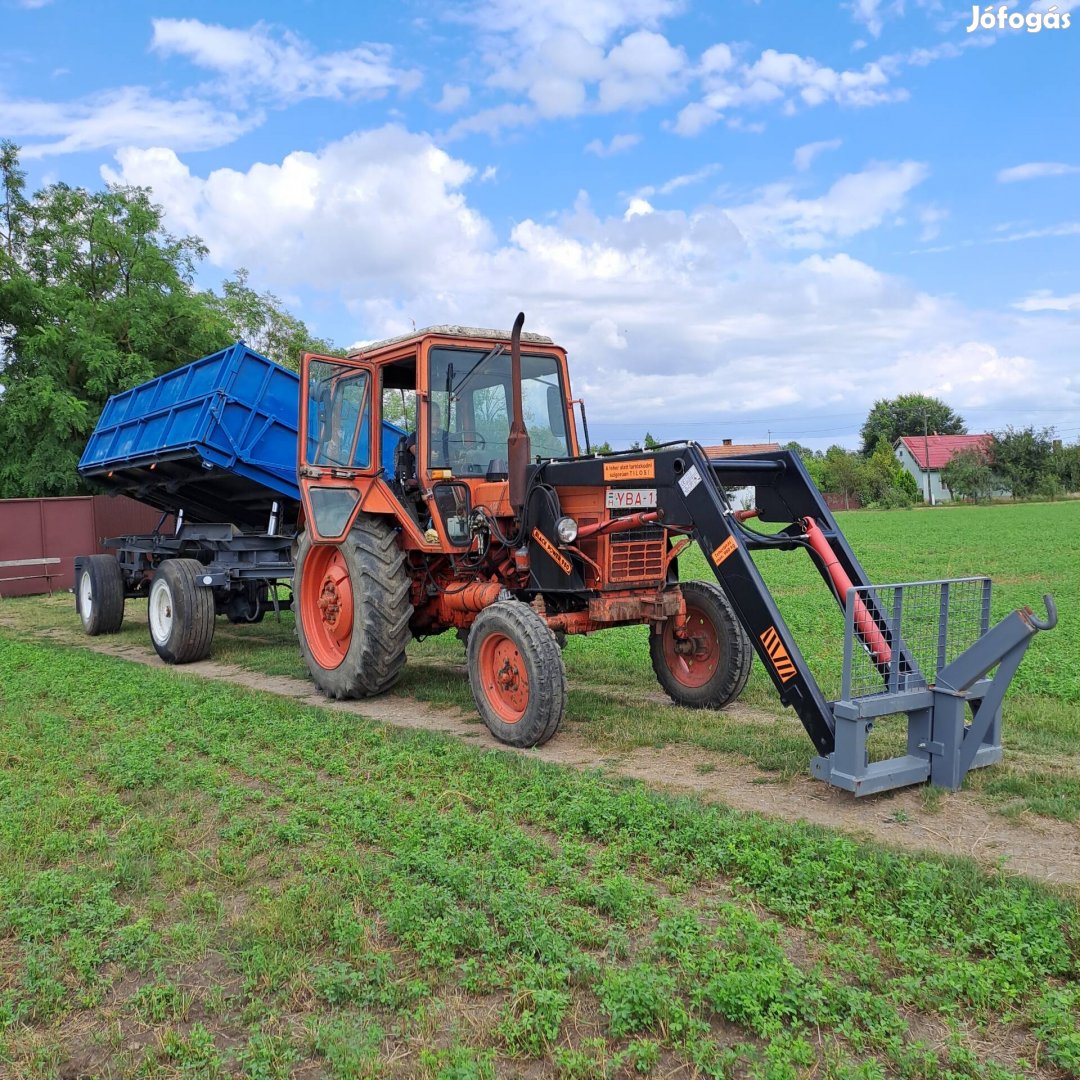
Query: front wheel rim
pixel 505 677
pixel 161 612
pixel 697 666
pixel 326 605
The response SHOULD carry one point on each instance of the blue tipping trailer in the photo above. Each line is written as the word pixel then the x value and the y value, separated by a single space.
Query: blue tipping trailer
pixel 212 443
pixel 215 438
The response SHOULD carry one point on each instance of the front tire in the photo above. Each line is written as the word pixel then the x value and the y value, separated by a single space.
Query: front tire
pixel 516 674
pixel 101 595
pixel 714 673
pixel 353 612
pixel 180 612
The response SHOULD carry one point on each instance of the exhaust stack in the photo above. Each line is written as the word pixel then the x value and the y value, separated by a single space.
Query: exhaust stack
pixel 518 449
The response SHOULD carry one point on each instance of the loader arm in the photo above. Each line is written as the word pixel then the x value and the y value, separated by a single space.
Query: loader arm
pixel 690 493
pixel 696 497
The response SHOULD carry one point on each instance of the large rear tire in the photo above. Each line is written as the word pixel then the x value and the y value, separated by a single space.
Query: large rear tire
pixel 180 612
pixel 353 612
pixel 714 673
pixel 517 674
pixel 101 595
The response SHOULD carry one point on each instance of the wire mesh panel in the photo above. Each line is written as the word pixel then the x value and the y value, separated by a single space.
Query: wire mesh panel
pixel 898 637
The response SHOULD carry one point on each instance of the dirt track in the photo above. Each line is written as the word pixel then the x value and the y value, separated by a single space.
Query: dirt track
pixel 1036 847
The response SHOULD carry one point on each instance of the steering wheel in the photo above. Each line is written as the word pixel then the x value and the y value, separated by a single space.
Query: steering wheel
pixel 467 440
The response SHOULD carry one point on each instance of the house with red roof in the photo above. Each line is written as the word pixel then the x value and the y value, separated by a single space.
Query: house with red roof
pixel 924 456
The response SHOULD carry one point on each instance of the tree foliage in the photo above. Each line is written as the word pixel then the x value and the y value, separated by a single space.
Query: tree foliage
pixel 96 297
pixel 908 414
pixel 264 324
pixel 1067 467
pixel 968 475
pixel 1023 459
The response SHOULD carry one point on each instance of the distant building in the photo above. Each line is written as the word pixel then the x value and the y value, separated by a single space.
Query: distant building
pixel 924 456
pixel 729 449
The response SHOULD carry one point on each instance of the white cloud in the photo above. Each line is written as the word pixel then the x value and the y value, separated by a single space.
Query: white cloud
pixel 1063 228
pixel 643 69
pixel 804 155
pixel 690 313
pixel 566 58
pixel 126 116
pixel 453 98
pixel 785 79
pixel 694 118
pixel 676 182
pixel 1044 300
pixel 1036 170
pixel 870 14
pixel 855 203
pixel 368 212
pixel 616 145
pixel 931 217
pixel 279 65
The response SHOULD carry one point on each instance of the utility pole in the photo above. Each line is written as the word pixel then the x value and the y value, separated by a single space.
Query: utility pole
pixel 926 452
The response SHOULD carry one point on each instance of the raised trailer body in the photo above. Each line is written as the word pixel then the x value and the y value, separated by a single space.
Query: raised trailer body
pixel 213 446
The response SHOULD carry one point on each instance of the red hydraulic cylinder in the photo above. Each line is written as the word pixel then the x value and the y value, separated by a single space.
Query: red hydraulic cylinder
pixel 864 621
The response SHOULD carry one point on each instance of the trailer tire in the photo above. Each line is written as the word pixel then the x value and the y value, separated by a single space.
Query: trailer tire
pixel 353 614
pixel 101 595
pixel 180 612
pixel 716 673
pixel 516 674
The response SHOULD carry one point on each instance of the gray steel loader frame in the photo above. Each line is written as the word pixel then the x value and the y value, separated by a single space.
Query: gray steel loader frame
pixel 942 743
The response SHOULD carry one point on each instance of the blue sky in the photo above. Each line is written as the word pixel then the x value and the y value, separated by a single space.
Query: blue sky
pixel 743 219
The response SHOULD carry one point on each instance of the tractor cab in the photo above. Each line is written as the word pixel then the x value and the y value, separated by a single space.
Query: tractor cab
pixel 443 399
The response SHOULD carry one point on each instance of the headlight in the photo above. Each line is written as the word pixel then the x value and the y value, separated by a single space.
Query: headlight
pixel 566 530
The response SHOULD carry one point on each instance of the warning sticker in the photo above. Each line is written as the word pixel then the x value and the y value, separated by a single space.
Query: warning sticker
pixel 781 659
pixel 641 469
pixel 689 480
pixel 556 556
pixel 724 550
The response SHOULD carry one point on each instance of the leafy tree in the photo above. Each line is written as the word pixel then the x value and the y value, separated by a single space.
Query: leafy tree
pixel 908 414
pixel 650 442
pixel 1023 458
pixel 264 324
pixel 602 448
pixel 968 475
pixel 814 460
pixel 842 474
pixel 885 482
pixel 1067 466
pixel 95 297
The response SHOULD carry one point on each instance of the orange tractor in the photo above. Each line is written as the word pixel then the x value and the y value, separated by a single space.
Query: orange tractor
pixel 491 518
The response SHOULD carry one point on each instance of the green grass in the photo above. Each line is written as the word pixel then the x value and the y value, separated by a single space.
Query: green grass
pixel 199 880
pixel 616 704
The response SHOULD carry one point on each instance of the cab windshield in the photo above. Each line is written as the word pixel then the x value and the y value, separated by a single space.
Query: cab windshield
pixel 471 408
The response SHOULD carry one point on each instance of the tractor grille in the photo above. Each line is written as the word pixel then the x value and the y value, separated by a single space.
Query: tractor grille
pixel 634 536
pixel 636 560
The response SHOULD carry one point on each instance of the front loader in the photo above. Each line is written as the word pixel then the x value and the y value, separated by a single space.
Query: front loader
pixel 492 520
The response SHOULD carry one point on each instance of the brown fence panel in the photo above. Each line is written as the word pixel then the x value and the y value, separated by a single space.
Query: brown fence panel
pixel 39 538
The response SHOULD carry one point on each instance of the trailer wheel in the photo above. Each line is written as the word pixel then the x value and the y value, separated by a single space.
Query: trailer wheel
pixel 517 674
pixel 180 612
pixel 101 595
pixel 354 610
pixel 714 673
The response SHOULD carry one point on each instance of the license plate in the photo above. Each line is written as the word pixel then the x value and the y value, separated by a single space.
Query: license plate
pixel 630 498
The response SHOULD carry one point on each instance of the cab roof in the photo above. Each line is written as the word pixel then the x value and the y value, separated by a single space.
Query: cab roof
pixel 449 330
